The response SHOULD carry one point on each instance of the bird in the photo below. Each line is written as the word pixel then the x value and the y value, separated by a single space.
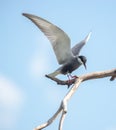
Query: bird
pixel 67 57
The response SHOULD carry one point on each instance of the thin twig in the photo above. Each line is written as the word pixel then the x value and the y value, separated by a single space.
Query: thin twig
pixel 62 120
pixel 40 127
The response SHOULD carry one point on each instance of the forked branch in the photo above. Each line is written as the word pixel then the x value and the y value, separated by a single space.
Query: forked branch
pixel 76 82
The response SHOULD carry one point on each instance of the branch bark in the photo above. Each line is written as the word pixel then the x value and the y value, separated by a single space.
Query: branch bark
pixel 76 82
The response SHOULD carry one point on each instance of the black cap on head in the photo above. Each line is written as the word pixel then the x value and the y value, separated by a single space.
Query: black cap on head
pixel 84 60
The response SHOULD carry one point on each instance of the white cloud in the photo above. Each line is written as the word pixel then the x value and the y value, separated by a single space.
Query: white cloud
pixel 10 95
pixel 11 101
pixel 40 62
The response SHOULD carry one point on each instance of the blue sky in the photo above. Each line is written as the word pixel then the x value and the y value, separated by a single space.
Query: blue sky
pixel 27 98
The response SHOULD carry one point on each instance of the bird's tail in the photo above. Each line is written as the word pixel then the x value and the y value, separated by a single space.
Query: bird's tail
pixel 54 74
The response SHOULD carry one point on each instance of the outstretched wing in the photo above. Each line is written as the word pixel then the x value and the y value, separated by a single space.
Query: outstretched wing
pixel 58 38
pixel 76 49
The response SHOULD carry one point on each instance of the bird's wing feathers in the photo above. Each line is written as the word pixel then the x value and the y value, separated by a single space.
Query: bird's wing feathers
pixel 76 49
pixel 58 38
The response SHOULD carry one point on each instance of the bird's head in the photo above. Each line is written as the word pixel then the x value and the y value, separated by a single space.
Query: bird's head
pixel 83 60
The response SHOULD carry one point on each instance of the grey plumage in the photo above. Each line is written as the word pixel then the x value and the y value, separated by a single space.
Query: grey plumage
pixel 76 49
pixel 67 57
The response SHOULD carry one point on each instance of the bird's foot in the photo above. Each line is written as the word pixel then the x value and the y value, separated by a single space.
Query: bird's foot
pixel 71 76
pixel 71 79
pixel 74 77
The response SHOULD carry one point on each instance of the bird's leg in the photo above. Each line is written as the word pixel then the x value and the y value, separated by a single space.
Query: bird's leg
pixel 70 79
pixel 68 75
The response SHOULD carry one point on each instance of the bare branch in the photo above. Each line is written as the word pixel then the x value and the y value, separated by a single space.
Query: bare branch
pixel 100 74
pixel 94 75
pixel 62 82
pixel 76 82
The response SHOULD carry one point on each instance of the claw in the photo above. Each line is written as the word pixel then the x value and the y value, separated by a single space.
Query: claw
pixel 74 77
pixel 70 78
